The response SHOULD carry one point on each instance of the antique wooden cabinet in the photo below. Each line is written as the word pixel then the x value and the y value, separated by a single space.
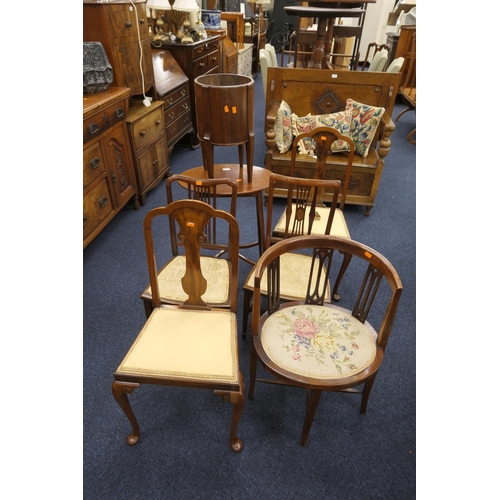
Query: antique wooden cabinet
pixel 122 28
pixel 195 59
pixel 172 87
pixel 148 140
pixel 108 173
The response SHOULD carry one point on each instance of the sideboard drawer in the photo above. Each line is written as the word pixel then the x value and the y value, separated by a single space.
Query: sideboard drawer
pixel 100 122
pixel 93 163
pixel 97 205
pixel 145 129
pixel 176 95
pixel 176 110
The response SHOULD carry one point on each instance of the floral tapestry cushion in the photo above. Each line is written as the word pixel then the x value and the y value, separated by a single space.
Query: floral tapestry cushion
pixel 364 124
pixel 323 342
pixel 283 127
pixel 340 121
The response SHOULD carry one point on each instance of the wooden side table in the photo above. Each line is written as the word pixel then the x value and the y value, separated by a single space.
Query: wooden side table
pixel 255 188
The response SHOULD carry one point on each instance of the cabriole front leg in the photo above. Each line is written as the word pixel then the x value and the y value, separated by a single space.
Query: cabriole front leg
pixel 120 392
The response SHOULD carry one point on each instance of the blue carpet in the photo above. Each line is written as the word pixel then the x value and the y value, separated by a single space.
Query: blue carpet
pixel 184 449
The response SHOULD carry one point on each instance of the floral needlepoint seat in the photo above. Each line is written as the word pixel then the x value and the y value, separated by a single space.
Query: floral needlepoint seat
pixel 315 345
pixel 319 341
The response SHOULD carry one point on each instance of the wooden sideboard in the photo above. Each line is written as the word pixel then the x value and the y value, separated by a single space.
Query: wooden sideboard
pixel 148 140
pixel 108 172
pixel 125 38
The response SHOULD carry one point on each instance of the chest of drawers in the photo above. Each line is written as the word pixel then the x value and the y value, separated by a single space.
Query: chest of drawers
pixel 245 60
pixel 148 139
pixel 122 28
pixel 195 59
pixel 108 174
pixel 172 87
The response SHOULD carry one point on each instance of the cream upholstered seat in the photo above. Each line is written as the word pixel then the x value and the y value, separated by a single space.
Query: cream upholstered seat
pixel 272 53
pixel 192 344
pixel 317 346
pixel 396 65
pixel 265 62
pixel 212 264
pixel 379 61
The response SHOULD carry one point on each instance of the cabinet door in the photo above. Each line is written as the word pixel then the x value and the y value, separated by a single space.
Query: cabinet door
pixel 161 155
pixel 119 164
pixel 123 23
pixel 146 170
pixel 127 57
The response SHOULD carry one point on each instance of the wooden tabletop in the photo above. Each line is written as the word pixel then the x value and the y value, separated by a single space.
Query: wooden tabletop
pixel 260 178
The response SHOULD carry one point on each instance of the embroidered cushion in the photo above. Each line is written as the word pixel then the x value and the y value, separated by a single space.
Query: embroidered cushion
pixel 340 121
pixel 364 124
pixel 323 342
pixel 283 127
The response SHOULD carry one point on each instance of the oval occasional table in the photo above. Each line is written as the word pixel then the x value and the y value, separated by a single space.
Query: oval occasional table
pixel 260 182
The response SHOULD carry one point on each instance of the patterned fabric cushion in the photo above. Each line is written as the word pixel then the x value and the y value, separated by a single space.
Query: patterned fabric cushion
pixel 364 123
pixel 294 277
pixel 283 127
pixel 323 342
pixel 340 121
pixel 216 272
pixel 185 344
pixel 339 225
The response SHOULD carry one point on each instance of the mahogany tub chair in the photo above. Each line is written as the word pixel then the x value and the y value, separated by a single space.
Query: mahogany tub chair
pixel 192 344
pixel 219 291
pixel 319 346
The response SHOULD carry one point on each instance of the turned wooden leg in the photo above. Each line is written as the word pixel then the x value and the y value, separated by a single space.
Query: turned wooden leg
pixel 249 151
pixel 366 393
pixel 120 392
pixel 312 403
pixel 247 299
pixel 253 369
pixel 343 268
pixel 367 211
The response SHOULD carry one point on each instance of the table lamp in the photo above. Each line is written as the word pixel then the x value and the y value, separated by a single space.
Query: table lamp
pixel 176 12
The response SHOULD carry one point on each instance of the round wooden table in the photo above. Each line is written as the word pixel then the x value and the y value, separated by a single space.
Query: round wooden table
pixel 260 182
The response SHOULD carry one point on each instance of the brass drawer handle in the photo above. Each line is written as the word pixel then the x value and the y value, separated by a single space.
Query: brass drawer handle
pixel 128 24
pixel 185 105
pixel 94 163
pixel 92 128
pixel 119 113
pixel 157 122
pixel 201 65
pixel 170 100
pixel 183 92
pixel 142 133
pixel 103 202
pixel 171 115
pixel 142 21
